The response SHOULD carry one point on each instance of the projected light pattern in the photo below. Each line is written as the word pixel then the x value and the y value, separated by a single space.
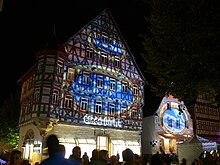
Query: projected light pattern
pixel 104 43
pixel 102 82
pixel 174 120
pixel 116 96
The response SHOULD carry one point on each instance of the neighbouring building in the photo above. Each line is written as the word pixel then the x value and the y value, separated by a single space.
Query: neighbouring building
pixel 173 123
pixel 88 91
pixel 168 126
pixel 207 118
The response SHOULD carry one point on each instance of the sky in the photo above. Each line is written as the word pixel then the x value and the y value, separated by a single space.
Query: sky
pixel 26 25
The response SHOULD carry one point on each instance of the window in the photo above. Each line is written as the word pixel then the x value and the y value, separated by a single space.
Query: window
pixel 123 111
pixel 37 95
pixel 134 113
pixel 111 109
pixel 70 74
pixel 135 90
pixel 84 104
pixel 68 102
pixel 98 107
pixel 55 96
pixel 86 79
pixel 99 81
pixel 112 84
pixel 89 53
pixel 124 87
pixel 117 62
pixel 104 38
pixel 40 66
pixel 59 67
pixel 104 58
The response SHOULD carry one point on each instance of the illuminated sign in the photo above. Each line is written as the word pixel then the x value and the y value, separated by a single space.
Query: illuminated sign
pixel 102 121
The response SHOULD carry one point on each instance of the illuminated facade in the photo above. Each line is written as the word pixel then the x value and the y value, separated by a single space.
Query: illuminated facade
pixel 169 125
pixel 90 93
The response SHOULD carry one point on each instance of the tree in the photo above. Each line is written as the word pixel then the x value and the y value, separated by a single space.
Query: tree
pixel 182 48
pixel 9 114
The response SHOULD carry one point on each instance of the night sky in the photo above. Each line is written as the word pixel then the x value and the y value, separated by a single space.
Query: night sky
pixel 26 26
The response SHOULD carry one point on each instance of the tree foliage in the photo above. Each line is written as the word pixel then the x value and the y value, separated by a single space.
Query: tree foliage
pixel 182 48
pixel 9 114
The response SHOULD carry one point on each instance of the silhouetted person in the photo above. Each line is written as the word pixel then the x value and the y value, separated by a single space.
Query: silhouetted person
pixel 156 159
pixel 183 161
pixel 95 157
pixel 15 158
pixel 128 157
pixel 76 154
pixel 103 157
pixel 56 153
pixel 85 159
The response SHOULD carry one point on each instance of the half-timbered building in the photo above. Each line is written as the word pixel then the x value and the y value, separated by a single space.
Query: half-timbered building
pixel 88 91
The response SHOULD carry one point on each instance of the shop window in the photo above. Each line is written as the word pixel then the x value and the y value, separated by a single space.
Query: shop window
pixel 28 144
pixel 102 142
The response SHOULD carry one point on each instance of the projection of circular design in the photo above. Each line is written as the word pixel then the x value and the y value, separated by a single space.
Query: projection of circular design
pixel 174 120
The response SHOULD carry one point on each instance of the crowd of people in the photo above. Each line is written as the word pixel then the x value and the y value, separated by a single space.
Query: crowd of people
pixel 56 156
pixel 56 153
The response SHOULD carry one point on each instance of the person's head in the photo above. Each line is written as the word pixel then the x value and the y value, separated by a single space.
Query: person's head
pixel 25 162
pixel 113 160
pixel 52 144
pixel 184 160
pixel 127 154
pixel 15 157
pixel 103 155
pixel 76 151
pixel 95 154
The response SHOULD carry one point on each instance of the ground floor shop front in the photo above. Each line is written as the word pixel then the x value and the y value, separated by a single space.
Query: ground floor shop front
pixel 32 143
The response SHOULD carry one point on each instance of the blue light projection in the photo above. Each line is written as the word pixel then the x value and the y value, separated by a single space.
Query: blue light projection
pixel 105 44
pixel 174 120
pixel 89 89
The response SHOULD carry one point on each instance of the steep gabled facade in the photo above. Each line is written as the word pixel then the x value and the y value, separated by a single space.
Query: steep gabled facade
pixel 207 118
pixel 89 92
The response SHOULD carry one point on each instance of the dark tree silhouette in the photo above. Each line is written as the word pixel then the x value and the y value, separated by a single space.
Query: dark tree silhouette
pixel 182 48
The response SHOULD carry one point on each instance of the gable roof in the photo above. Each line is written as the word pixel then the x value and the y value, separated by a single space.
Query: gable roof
pixel 114 30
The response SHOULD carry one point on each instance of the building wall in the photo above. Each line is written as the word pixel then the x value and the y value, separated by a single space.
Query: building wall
pixel 206 118
pixel 89 87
